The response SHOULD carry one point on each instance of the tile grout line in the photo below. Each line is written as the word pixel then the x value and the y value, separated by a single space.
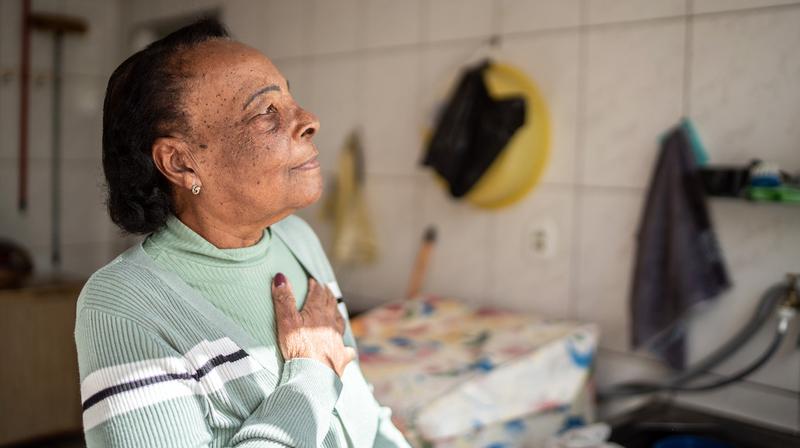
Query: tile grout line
pixel 577 163
pixel 497 14
pixel 419 217
pixel 492 273
pixel 688 43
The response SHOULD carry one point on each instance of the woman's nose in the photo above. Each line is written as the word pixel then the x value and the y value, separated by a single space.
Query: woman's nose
pixel 307 124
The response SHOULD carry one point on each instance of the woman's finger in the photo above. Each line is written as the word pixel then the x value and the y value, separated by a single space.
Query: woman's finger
pixel 330 300
pixel 349 353
pixel 283 301
pixel 319 299
pixel 312 300
pixel 339 322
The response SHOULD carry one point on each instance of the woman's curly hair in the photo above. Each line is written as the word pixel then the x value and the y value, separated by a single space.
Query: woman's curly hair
pixel 142 103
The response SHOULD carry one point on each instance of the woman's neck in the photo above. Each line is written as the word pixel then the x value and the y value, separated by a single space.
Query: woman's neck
pixel 227 231
pixel 225 235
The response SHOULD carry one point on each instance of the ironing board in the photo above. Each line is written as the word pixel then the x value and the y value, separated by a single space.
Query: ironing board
pixel 461 376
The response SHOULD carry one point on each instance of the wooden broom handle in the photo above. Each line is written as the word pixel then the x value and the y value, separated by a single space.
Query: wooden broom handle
pixel 420 267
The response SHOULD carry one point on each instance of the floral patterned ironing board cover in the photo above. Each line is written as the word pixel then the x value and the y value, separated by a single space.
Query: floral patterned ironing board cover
pixel 447 369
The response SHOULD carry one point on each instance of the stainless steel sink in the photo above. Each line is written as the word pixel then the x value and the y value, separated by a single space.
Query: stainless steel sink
pixel 645 426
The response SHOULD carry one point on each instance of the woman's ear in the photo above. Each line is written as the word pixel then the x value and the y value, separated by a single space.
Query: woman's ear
pixel 172 157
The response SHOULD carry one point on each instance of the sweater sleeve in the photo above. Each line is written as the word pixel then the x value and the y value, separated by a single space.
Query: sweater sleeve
pixel 299 412
pixel 138 391
pixel 388 435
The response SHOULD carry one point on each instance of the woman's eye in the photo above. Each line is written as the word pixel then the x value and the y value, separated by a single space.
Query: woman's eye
pixel 271 110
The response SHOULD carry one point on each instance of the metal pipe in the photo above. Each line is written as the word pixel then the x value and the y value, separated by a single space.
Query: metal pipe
pixel 55 166
pixel 777 297
pixel 25 76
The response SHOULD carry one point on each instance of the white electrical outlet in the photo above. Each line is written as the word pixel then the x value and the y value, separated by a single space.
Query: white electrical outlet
pixel 539 240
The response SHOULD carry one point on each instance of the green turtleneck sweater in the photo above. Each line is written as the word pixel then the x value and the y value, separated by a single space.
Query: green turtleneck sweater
pixel 236 281
pixel 177 348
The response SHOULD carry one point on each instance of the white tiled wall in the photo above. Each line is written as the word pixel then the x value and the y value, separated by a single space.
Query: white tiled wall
pixel 616 74
pixel 513 283
pixel 517 16
pixel 333 26
pixel 610 11
pixel 466 238
pixel 633 93
pixel 388 23
pixel 458 19
pixel 89 240
pixel 607 221
pixel 335 82
pixel 763 96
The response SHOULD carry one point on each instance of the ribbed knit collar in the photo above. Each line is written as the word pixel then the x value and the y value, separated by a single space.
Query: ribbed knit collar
pixel 180 240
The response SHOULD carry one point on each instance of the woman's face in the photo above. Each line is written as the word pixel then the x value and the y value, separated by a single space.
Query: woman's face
pixel 251 142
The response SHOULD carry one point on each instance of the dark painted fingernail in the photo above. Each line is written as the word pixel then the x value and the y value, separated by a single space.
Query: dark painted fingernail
pixel 279 280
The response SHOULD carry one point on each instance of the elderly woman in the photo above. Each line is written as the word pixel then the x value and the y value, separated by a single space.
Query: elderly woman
pixel 222 328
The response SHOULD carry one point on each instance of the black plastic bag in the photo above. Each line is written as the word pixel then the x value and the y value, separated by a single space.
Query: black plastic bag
pixel 472 131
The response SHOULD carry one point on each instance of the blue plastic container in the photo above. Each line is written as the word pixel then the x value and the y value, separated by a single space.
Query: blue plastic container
pixel 687 441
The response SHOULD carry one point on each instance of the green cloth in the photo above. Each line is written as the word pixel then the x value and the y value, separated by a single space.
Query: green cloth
pixel 178 349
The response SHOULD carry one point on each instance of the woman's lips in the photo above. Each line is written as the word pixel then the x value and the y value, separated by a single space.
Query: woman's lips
pixel 310 164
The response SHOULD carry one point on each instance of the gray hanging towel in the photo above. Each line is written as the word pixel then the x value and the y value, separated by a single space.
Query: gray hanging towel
pixel 679 263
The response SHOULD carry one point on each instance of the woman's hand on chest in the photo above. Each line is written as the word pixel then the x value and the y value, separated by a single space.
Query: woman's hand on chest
pixel 313 332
